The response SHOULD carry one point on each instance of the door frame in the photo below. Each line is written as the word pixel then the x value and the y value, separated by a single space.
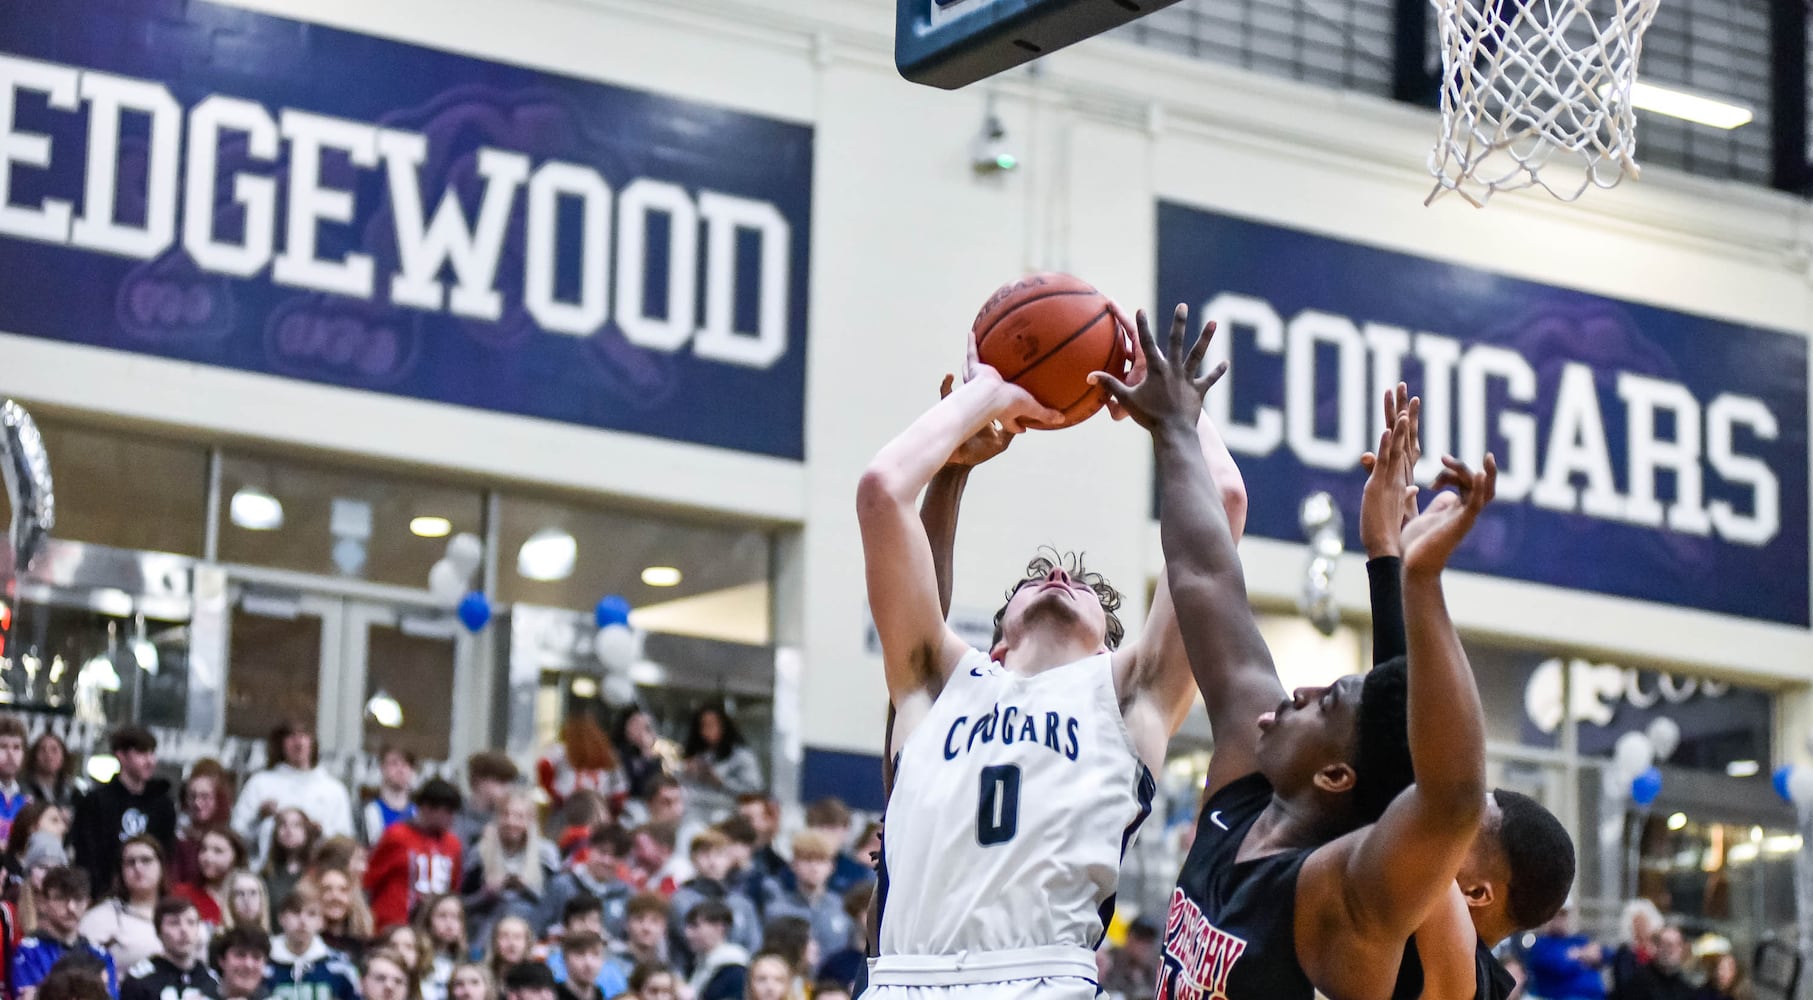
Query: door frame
pixel 347 608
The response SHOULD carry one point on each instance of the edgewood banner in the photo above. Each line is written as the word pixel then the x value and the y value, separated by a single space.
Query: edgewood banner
pixel 1642 453
pixel 222 186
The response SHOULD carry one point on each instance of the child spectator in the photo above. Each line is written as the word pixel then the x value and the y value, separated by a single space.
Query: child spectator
pixel 403 941
pixel 302 966
pixel 415 858
pixel 831 818
pixel 239 955
pixel 813 858
pixel 528 981
pixel 712 856
pixel 346 923
pixel 598 875
pixel 13 793
pixel 125 924
pixel 584 759
pixel 176 972
pixel 44 853
pixel 721 968
pixel 387 976
pixel 248 904
pixel 512 943
pixel 293 840
pixel 207 802
pixel 644 754
pixel 583 952
pixel 393 803
pixel 653 981
pixel 653 864
pixel 440 922
pixel 770 978
pixel 764 814
pixel 52 775
pixel 644 934
pixel 293 778
pixel 221 853
pixel 791 939
pixel 719 763
pixel 61 901
pixel 513 867
pixel 136 801
pixel 491 776
pixel 471 981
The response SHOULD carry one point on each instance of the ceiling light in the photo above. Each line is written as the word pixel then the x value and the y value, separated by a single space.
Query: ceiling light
pixel 661 576
pixel 1742 768
pixel 430 527
pixel 1677 821
pixel 585 687
pixel 384 710
pixel 548 555
pixel 255 510
pixel 1689 107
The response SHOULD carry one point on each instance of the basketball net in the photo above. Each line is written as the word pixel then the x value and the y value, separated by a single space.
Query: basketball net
pixel 1537 93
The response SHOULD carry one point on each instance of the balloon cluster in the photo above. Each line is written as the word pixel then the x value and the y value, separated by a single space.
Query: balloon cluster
pixel 1320 518
pixel 450 581
pixel 1634 757
pixel 1794 782
pixel 619 647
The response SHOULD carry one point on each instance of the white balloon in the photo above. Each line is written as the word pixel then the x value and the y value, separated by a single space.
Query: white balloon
pixel 1633 754
pixel 1665 735
pixel 446 583
pixel 618 647
pixel 1800 785
pixel 618 690
pixel 465 552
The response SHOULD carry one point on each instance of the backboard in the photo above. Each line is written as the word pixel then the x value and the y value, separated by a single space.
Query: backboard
pixel 954 43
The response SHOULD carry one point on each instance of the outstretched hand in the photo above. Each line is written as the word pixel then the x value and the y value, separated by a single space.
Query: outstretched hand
pixel 1431 538
pixel 1170 390
pixel 983 445
pixel 1389 500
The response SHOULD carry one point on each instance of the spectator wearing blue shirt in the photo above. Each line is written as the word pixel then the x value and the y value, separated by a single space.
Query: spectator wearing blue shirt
pixel 582 921
pixel 1564 965
pixel 61 900
pixel 302 966
pixel 583 954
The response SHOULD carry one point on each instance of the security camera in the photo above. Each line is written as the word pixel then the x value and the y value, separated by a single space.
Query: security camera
pixel 990 153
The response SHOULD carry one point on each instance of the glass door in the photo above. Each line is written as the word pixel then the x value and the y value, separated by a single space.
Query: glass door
pixel 365 672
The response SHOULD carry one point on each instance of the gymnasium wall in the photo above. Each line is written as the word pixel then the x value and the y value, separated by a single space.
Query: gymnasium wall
pixel 907 241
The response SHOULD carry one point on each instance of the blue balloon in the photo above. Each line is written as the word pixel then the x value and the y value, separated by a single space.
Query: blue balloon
pixel 612 610
pixel 1646 786
pixel 1780 780
pixel 475 611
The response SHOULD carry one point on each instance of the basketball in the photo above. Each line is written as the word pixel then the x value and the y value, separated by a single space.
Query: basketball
pixel 1046 333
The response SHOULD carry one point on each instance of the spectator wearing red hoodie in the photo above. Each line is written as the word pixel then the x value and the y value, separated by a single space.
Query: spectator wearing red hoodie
pixel 415 858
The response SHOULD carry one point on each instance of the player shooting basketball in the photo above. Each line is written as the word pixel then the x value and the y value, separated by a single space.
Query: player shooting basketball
pixel 1023 771
pixel 1286 888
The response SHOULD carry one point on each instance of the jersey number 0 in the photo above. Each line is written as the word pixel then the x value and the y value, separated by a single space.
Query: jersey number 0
pixel 998 806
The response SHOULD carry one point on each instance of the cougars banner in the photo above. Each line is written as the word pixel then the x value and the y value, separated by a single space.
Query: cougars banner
pixel 222 186
pixel 1643 453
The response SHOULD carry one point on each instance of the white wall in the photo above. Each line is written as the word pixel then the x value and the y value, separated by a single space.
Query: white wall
pixel 907 242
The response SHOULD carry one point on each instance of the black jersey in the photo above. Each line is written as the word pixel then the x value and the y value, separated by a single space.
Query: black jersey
pixel 158 978
pixel 1230 933
pixel 1490 980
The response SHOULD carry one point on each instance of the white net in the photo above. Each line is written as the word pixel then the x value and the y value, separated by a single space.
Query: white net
pixel 1537 93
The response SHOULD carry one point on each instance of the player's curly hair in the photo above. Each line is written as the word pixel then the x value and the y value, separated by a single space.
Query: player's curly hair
pixel 1072 563
pixel 1381 759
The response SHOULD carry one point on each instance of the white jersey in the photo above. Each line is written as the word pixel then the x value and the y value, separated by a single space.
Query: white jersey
pixel 1013 803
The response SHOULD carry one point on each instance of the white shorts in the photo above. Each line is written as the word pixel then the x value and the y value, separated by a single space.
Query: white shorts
pixel 1024 974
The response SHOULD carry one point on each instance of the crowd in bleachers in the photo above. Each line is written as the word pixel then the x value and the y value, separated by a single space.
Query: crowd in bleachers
pixel 624 865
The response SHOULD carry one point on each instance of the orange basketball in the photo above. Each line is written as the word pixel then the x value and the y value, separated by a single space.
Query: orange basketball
pixel 1046 333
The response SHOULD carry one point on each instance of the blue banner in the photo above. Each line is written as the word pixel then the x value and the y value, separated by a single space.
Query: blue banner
pixel 1644 453
pixel 221 186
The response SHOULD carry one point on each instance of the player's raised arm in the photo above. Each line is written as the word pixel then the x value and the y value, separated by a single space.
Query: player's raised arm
pixel 1393 873
pixel 918 649
pixel 1207 585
